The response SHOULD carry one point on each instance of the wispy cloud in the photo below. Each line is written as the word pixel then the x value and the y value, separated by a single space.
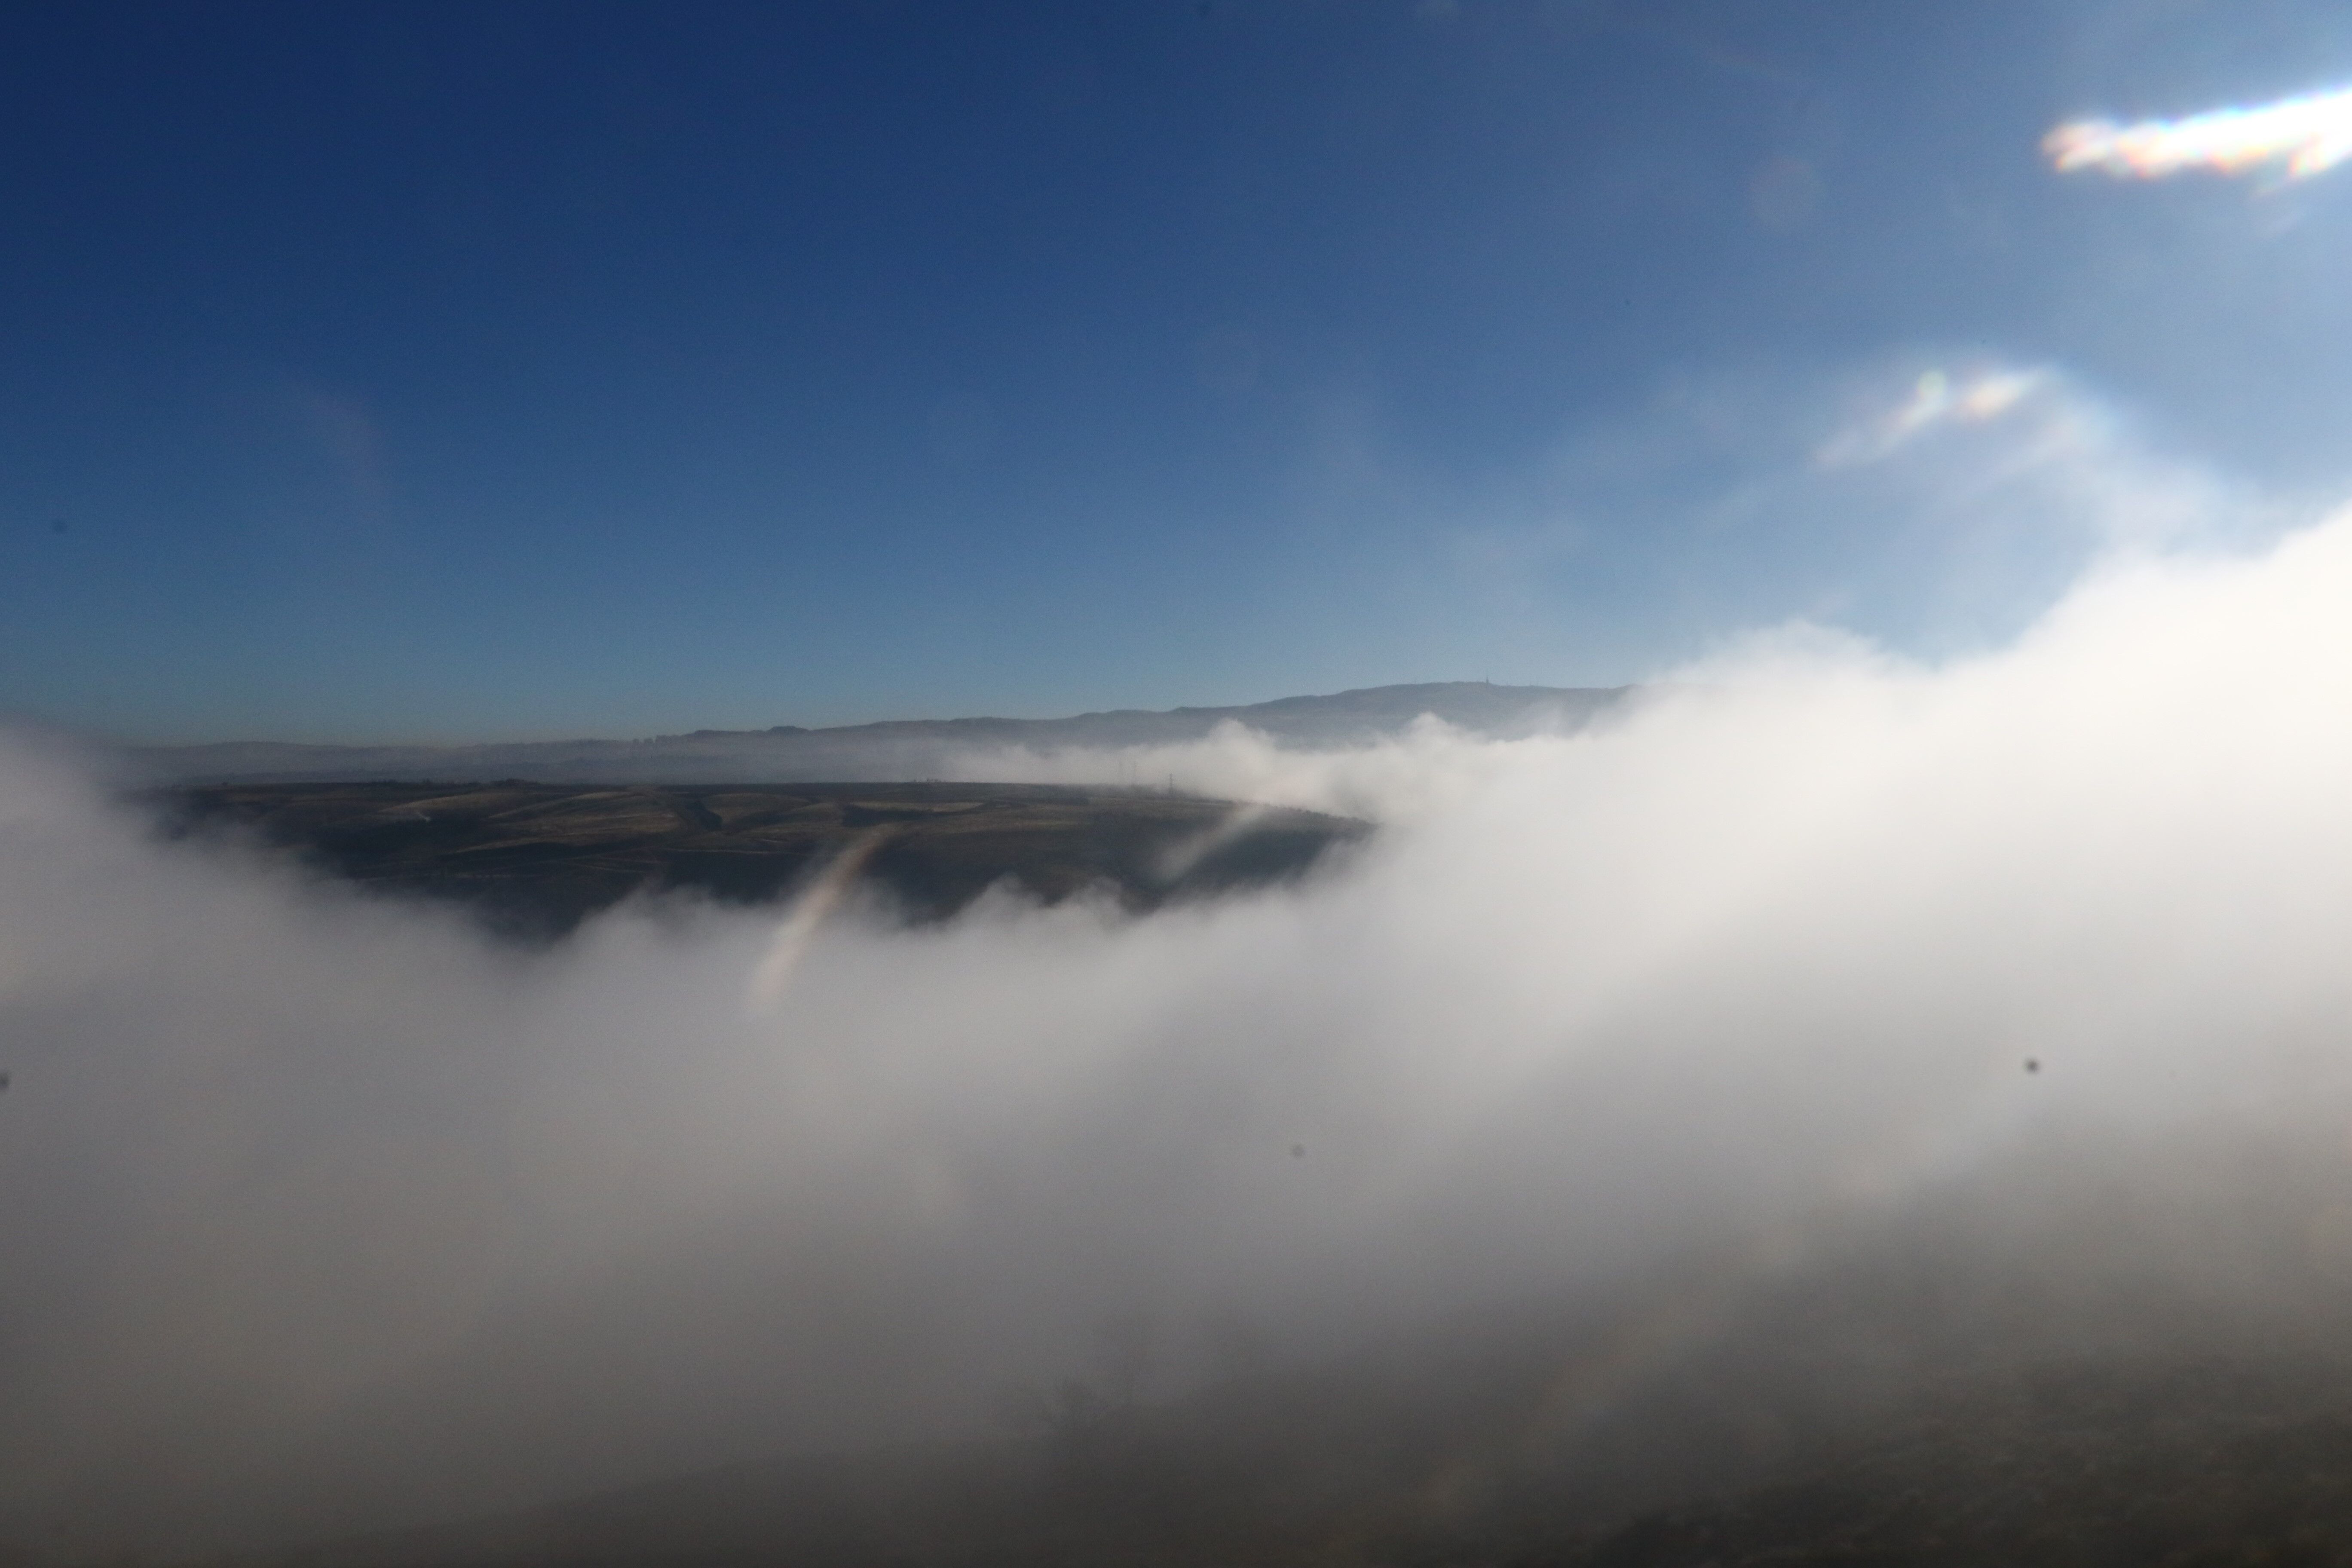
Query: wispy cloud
pixel 2307 135
pixel 1938 398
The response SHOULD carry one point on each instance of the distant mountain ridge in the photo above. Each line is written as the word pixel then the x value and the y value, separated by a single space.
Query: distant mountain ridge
pixel 893 749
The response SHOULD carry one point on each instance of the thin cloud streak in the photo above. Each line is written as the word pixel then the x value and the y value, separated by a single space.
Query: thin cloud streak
pixel 2306 136
pixel 1938 398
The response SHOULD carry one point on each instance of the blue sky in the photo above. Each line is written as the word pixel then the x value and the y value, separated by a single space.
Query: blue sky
pixel 412 372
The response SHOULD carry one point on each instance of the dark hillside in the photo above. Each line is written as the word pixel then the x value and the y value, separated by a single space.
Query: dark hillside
pixel 537 858
pixel 1917 1398
pixel 1445 1462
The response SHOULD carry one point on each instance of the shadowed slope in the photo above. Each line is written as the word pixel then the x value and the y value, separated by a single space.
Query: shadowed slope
pixel 1944 1391
pixel 540 857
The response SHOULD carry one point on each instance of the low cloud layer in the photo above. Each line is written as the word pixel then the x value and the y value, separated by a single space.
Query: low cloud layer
pixel 323 1214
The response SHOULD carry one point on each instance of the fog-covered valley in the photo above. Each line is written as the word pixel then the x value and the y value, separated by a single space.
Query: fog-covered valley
pixel 1639 1111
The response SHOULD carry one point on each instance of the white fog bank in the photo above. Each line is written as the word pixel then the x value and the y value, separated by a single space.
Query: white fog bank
pixel 318 1214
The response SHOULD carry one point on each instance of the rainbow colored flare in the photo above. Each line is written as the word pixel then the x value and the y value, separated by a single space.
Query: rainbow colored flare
pixel 2310 135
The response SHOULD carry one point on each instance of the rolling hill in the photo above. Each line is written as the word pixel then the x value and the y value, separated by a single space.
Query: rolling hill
pixel 897 750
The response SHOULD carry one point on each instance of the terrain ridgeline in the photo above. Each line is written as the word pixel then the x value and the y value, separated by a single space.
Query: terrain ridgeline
pixel 906 749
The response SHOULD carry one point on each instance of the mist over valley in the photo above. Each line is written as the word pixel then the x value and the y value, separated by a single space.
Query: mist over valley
pixel 1892 1082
